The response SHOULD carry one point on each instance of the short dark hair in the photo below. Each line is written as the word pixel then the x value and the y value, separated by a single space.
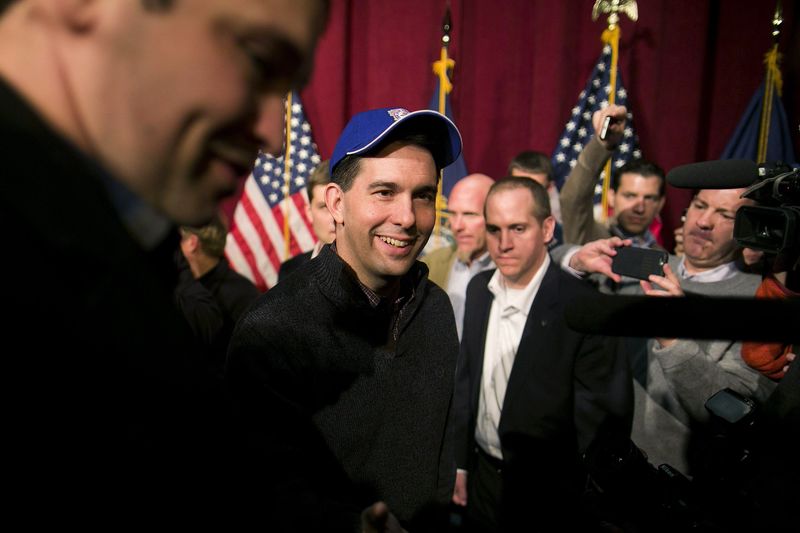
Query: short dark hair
pixel 541 201
pixel 532 162
pixel 347 169
pixel 646 169
pixel 319 176
pixel 212 236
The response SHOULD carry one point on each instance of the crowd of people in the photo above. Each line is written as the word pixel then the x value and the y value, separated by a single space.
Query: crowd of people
pixel 371 389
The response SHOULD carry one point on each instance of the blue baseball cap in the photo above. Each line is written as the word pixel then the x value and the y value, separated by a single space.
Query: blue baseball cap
pixel 368 130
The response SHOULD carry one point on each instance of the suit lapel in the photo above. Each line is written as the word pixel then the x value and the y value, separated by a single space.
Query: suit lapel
pixel 484 303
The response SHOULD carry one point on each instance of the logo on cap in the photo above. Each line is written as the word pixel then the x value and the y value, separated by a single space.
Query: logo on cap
pixel 398 113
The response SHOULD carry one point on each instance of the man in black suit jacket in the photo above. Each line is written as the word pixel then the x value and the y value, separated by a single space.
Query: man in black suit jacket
pixel 531 393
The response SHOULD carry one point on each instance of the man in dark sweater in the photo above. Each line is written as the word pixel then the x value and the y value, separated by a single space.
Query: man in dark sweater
pixel 344 371
pixel 211 295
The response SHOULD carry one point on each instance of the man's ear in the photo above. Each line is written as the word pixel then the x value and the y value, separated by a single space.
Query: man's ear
pixel 548 228
pixel 189 243
pixel 334 199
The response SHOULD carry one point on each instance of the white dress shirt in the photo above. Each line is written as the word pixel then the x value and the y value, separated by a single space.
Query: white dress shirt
pixel 507 318
pixel 460 275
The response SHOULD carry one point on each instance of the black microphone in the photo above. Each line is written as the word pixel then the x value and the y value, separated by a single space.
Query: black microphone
pixel 722 174
pixel 692 317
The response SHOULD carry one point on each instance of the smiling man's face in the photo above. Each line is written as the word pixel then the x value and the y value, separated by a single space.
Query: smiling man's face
pixel 188 94
pixel 385 218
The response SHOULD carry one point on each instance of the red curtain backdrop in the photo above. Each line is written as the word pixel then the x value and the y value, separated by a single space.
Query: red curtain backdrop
pixel 690 67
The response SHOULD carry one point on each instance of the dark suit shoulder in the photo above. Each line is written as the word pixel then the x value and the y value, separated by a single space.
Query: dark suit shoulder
pixel 480 280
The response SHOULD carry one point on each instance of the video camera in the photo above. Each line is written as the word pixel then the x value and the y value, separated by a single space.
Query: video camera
pixel 731 489
pixel 772 226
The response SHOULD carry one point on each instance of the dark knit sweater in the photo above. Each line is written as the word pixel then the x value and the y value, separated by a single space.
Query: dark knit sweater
pixel 109 408
pixel 347 415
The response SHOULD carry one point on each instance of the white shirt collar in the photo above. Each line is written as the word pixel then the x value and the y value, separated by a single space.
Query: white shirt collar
pixel 722 272
pixel 521 299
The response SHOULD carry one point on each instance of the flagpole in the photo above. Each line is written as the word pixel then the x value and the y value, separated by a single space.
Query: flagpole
pixel 611 36
pixel 441 69
pixel 287 176
pixel 772 83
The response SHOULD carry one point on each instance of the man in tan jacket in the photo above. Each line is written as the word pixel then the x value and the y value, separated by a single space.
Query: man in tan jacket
pixel 452 267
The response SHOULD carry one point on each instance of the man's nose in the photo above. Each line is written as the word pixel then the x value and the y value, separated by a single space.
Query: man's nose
pixel 506 241
pixel 705 220
pixel 403 212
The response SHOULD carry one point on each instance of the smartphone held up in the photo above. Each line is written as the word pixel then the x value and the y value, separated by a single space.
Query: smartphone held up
pixel 639 263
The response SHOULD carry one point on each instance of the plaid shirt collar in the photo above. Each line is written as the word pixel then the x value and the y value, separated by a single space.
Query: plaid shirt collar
pixel 405 294
pixel 643 240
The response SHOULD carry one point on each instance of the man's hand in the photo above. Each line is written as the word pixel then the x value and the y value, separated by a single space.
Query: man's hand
pixel 789 357
pixel 669 283
pixel 670 286
pixel 460 491
pixel 378 519
pixel 616 128
pixel 596 257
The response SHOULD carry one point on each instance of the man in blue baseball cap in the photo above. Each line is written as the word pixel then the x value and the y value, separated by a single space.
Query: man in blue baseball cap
pixel 344 371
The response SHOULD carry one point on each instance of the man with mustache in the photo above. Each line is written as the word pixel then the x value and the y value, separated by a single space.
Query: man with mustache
pixel 121 121
pixel 674 377
pixel 344 370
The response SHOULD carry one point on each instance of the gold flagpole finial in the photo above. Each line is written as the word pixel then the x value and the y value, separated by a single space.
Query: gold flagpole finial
pixel 612 8
pixel 447 25
pixel 777 21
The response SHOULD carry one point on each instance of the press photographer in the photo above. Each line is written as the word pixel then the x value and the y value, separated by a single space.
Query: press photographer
pixel 671 421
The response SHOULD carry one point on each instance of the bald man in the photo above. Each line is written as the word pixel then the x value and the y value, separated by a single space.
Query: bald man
pixel 452 267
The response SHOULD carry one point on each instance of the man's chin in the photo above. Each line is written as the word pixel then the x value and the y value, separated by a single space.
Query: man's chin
pixel 634 229
pixel 465 255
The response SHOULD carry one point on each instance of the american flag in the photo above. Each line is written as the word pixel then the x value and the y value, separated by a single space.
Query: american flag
pixel 579 129
pixel 256 246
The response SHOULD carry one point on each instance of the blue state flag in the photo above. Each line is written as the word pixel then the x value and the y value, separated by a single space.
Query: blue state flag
pixel 458 169
pixel 745 140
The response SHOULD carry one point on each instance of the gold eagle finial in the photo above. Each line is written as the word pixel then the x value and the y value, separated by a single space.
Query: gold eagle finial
pixel 612 8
